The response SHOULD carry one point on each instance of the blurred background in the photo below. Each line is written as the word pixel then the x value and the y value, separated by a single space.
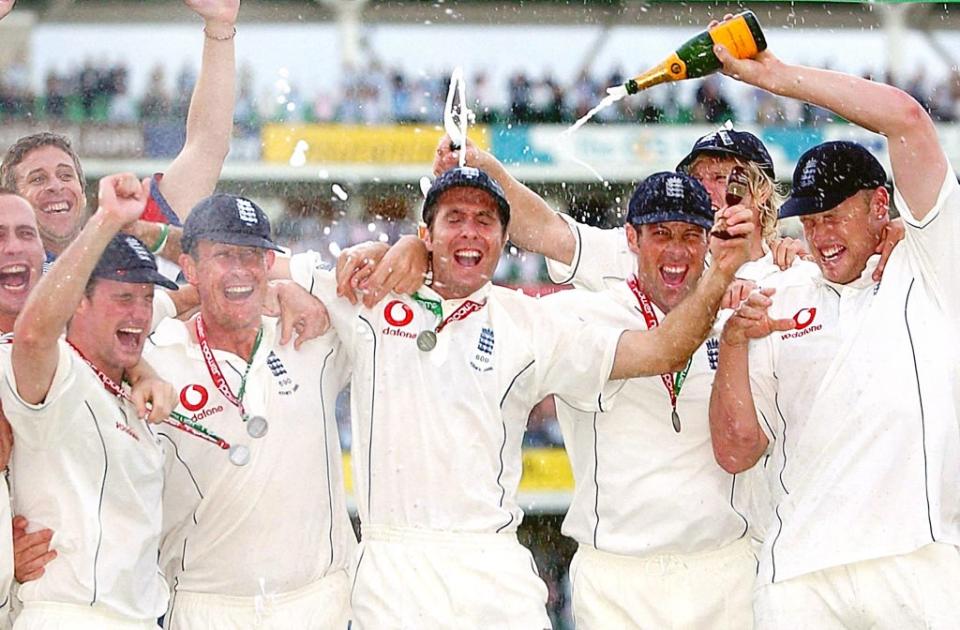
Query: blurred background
pixel 340 106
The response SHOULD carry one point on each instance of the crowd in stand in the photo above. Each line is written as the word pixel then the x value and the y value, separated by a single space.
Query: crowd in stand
pixel 375 95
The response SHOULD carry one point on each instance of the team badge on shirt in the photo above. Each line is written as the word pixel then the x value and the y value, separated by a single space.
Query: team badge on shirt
pixel 482 361
pixel 284 381
pixel 713 352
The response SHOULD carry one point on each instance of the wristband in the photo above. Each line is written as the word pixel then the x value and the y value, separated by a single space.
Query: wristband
pixel 207 34
pixel 161 240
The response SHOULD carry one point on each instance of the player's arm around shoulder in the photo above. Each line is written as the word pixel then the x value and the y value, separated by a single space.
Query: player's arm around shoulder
pixel 599 254
pixel 313 274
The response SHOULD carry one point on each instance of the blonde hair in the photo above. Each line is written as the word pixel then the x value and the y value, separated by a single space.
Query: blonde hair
pixel 766 193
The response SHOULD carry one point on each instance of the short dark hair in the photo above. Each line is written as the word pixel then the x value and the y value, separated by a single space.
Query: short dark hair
pixel 19 150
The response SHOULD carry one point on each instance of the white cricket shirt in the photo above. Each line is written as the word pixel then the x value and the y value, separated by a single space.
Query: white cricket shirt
pixel 437 435
pixel 860 404
pixel 86 467
pixel 6 554
pixel 641 487
pixel 280 522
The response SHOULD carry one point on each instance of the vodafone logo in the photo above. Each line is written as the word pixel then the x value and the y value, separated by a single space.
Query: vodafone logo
pixel 194 397
pixel 805 317
pixel 397 313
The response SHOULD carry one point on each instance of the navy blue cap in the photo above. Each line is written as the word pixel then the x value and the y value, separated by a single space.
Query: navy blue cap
pixel 466 177
pixel 670 196
pixel 229 219
pixel 830 173
pixel 729 141
pixel 126 259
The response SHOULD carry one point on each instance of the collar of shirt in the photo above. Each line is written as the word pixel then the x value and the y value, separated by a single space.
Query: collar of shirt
pixel 624 295
pixel 448 306
pixel 864 281
pixel 172 332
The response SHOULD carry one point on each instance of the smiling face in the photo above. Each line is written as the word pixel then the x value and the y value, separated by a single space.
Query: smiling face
pixel 231 281
pixel 21 255
pixel 47 178
pixel 112 323
pixel 670 259
pixel 842 239
pixel 466 239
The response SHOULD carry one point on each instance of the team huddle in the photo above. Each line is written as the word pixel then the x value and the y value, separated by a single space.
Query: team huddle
pixel 762 433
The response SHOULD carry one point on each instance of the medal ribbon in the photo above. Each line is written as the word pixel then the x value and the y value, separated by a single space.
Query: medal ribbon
pixel 673 384
pixel 183 423
pixel 463 311
pixel 216 374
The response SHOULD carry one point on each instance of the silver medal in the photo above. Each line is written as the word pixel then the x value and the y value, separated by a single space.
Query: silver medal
pixel 427 340
pixel 675 419
pixel 239 455
pixel 257 426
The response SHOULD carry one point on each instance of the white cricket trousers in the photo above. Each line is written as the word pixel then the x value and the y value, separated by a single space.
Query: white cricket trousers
pixel 915 590
pixel 419 579
pixel 323 605
pixel 711 589
pixel 56 616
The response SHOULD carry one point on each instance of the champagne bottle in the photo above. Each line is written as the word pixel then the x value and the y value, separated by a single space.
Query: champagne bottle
pixel 741 35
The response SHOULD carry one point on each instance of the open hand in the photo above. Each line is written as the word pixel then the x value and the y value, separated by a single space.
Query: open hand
pixel 752 320
pixel 31 552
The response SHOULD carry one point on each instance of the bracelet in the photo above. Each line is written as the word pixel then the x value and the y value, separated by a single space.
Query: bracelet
pixel 207 34
pixel 161 240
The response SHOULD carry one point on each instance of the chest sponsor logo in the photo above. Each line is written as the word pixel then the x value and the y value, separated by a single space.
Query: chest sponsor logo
pixel 713 352
pixel 397 315
pixel 285 382
pixel 482 361
pixel 194 397
pixel 803 319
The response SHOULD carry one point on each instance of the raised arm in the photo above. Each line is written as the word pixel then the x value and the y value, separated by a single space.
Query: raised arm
pixel 194 172
pixel 55 298
pixel 667 347
pixel 534 225
pixel 911 135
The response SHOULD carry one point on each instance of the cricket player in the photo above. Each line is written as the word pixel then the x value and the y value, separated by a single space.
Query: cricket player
pixel 44 168
pixel 850 385
pixel 21 260
pixel 86 463
pixel 442 384
pixel 661 541
pixel 265 544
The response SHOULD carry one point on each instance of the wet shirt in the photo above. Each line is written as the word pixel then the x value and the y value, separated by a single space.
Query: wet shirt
pixel 643 488
pixel 437 434
pixel 860 404
pixel 280 522
pixel 86 467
